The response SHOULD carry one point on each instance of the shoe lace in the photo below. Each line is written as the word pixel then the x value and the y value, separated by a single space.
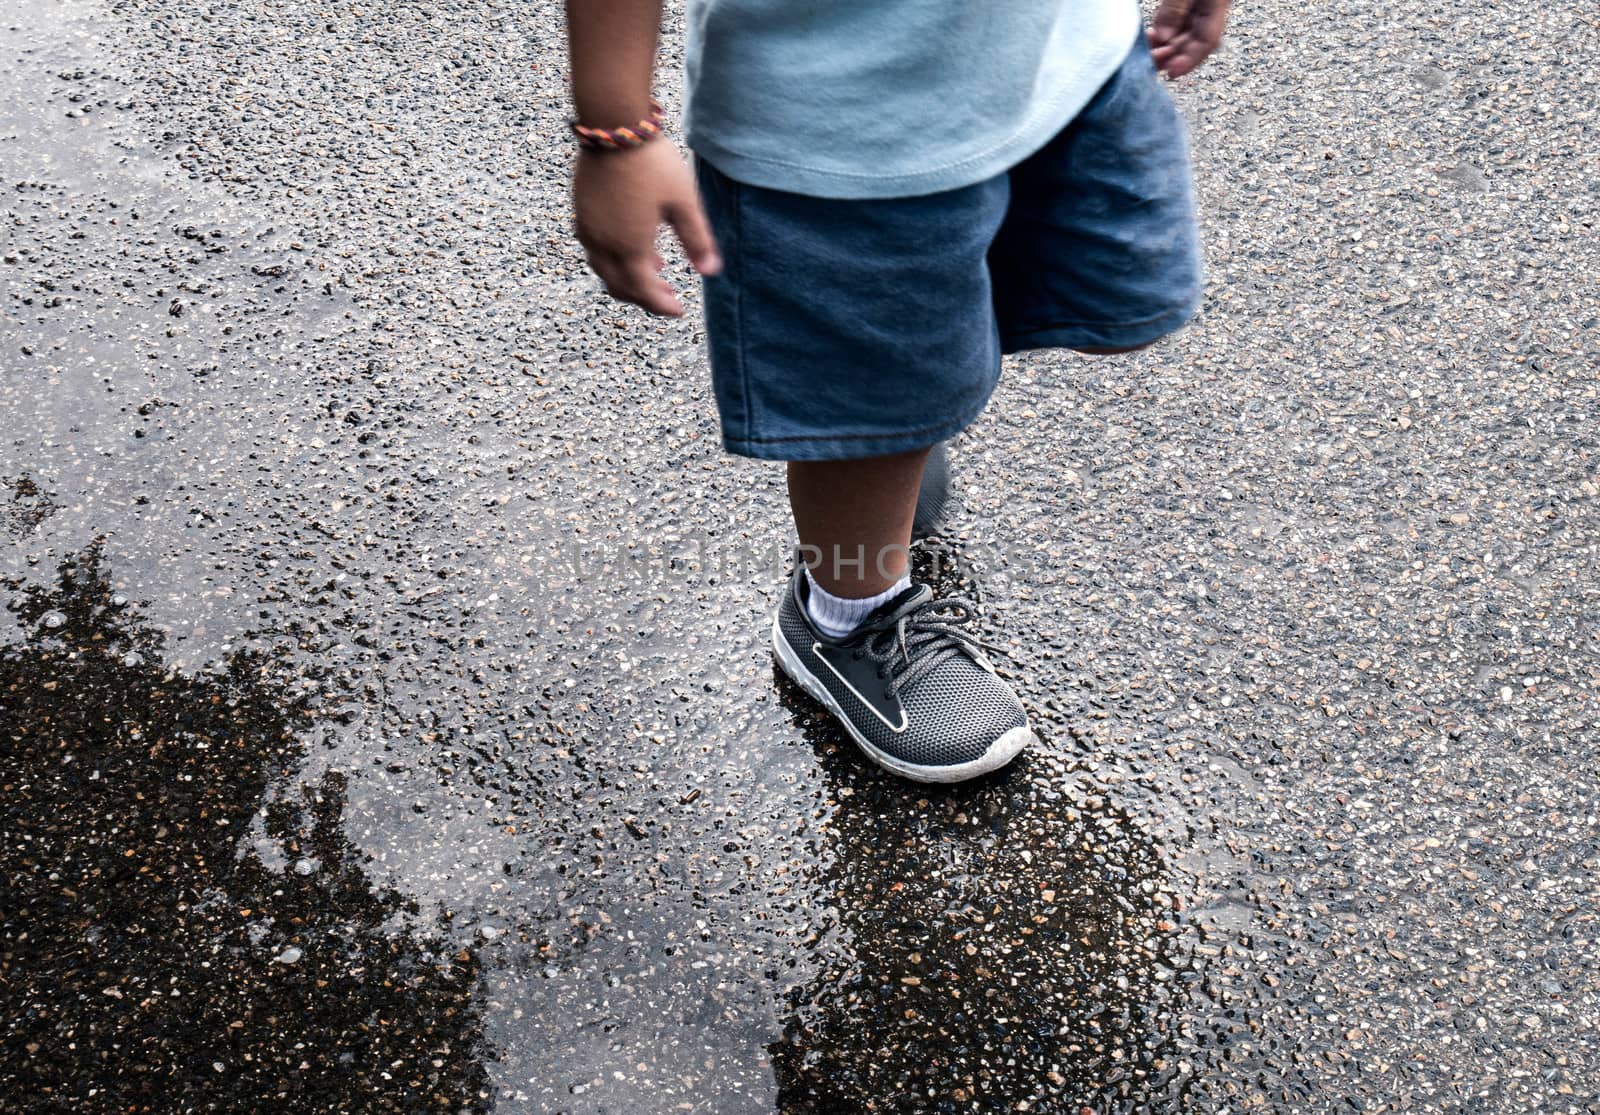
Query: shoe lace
pixel 934 632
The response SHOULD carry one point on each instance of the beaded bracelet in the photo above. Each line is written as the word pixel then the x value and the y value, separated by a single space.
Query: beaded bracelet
pixel 618 139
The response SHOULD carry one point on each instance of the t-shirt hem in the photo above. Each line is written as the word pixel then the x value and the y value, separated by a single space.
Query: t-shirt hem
pixel 1030 137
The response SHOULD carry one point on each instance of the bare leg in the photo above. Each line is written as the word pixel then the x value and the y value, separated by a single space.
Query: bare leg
pixel 854 519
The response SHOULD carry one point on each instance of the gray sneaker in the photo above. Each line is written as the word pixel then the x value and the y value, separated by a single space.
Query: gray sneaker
pixel 914 691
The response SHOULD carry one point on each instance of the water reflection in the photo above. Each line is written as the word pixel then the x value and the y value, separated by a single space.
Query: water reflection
pixel 153 956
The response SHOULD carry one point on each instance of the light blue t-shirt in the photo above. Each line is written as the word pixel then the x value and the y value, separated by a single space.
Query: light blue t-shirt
pixel 891 98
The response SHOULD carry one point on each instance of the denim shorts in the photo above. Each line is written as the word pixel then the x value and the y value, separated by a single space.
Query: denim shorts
pixel 859 328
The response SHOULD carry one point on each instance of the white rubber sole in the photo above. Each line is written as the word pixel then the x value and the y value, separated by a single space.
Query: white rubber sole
pixel 1000 752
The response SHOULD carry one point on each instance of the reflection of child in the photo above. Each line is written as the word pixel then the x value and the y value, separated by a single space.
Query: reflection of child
pixel 890 196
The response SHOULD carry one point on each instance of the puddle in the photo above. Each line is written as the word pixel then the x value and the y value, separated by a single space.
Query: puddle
pixel 1017 939
pixel 150 957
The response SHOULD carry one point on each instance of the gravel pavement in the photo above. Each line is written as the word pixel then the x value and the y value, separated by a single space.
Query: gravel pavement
pixel 388 718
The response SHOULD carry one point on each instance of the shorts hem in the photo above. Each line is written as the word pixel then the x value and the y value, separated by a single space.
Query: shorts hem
pixel 1080 334
pixel 850 447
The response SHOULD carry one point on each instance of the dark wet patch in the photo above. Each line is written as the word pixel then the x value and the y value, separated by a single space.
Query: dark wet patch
pixel 1010 945
pixel 23 505
pixel 149 959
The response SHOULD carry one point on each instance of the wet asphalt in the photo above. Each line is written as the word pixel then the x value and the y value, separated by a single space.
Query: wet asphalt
pixel 388 723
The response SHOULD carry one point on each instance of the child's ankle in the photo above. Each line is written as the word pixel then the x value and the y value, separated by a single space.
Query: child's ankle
pixel 837 616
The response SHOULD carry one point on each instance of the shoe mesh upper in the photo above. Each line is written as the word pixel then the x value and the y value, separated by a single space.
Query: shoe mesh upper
pixel 954 712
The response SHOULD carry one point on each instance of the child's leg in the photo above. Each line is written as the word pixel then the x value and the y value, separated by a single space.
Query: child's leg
pixel 846 338
pixel 854 519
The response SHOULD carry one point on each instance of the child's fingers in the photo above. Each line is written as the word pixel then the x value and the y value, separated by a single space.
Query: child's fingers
pixel 1185 54
pixel 635 279
pixel 1173 59
pixel 1168 53
pixel 688 220
pixel 1177 57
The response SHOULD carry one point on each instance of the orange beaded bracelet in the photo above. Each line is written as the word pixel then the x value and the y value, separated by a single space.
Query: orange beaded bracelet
pixel 618 139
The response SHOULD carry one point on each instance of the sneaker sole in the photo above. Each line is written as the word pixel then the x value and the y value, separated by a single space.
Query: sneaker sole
pixel 1007 747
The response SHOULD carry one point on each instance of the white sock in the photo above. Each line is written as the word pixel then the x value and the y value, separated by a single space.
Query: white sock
pixel 837 616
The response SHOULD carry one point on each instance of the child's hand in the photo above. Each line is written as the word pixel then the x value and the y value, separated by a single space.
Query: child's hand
pixel 1185 32
pixel 620 199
